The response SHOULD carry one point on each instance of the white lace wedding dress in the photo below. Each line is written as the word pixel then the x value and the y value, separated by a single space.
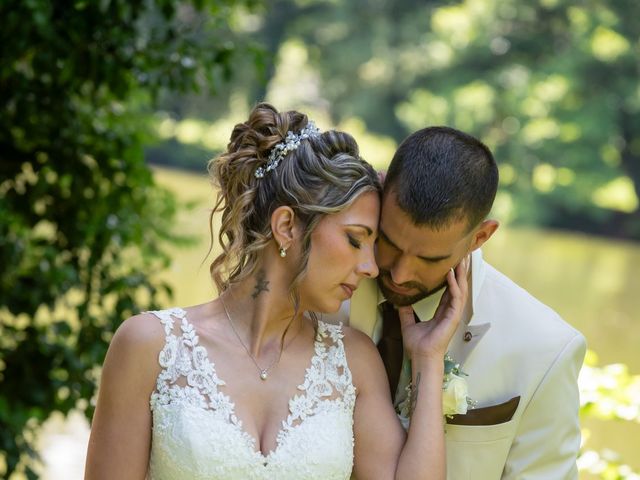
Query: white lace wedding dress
pixel 196 434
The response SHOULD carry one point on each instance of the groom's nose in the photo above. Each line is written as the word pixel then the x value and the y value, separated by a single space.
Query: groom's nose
pixel 401 270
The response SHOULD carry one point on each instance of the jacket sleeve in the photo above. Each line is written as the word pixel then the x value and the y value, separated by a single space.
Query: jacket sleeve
pixel 547 439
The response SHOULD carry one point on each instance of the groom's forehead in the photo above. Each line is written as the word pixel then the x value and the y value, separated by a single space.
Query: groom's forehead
pixel 393 214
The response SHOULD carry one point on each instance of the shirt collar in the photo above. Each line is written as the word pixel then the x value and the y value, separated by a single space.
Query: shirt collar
pixel 426 307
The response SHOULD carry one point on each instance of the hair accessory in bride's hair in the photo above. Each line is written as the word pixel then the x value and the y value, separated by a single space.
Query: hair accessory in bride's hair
pixel 289 144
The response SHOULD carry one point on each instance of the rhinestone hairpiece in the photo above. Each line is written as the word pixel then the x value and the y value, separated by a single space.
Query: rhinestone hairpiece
pixel 289 144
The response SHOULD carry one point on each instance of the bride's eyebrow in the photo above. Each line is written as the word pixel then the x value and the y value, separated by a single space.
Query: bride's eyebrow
pixel 364 227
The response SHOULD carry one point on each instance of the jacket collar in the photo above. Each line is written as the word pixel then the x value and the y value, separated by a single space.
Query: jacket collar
pixel 473 327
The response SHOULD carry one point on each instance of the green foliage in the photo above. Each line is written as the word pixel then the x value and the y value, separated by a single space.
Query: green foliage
pixel 607 393
pixel 550 85
pixel 82 224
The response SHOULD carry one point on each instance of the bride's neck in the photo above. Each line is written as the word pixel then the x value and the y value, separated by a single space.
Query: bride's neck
pixel 261 310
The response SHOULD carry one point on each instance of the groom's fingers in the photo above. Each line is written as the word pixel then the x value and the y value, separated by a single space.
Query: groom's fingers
pixel 462 271
pixel 452 302
pixel 457 281
pixel 453 286
pixel 445 300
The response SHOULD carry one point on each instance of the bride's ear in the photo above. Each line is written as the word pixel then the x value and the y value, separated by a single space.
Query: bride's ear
pixel 283 226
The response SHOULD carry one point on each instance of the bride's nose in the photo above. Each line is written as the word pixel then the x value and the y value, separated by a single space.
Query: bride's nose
pixel 368 266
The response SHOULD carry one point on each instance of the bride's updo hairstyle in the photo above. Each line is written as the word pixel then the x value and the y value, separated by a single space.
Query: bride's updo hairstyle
pixel 323 175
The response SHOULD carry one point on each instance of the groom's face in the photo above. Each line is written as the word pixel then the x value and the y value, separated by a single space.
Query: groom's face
pixel 414 260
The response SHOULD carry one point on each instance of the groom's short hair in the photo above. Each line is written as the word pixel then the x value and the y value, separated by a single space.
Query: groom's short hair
pixel 440 175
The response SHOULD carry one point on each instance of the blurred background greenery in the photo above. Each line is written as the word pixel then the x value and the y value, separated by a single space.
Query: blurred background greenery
pixel 95 92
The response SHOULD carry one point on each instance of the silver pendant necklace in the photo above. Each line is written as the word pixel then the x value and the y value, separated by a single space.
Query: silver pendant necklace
pixel 264 372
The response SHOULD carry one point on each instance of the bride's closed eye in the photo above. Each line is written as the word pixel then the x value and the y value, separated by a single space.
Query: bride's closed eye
pixel 353 242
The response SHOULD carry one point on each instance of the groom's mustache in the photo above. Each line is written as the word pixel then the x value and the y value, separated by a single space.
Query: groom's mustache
pixel 384 277
pixel 386 274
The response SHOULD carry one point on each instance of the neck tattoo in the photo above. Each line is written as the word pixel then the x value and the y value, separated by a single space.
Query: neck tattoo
pixel 262 285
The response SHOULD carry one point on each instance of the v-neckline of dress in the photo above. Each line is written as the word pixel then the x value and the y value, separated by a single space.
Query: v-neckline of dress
pixel 286 423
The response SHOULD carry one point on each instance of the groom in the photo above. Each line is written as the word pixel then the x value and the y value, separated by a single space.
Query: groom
pixel 521 358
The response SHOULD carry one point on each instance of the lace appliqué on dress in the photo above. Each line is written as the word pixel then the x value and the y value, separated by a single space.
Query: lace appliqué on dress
pixel 196 433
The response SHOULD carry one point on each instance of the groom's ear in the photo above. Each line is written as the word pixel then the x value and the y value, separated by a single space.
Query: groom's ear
pixel 482 233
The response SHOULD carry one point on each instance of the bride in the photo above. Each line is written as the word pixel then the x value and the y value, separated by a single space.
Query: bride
pixel 250 385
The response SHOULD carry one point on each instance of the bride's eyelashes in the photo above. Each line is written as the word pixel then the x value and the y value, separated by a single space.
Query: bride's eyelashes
pixel 353 242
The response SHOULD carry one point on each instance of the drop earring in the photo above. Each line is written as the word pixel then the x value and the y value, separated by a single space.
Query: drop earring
pixel 283 252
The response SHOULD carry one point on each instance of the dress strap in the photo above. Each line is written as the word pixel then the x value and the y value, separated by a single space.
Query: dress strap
pixel 330 352
pixel 337 369
pixel 186 373
pixel 327 384
pixel 167 317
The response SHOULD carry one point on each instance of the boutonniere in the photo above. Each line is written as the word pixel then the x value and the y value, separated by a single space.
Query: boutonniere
pixel 455 398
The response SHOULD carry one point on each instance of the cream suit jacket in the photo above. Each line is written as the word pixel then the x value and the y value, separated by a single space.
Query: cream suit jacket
pixel 518 347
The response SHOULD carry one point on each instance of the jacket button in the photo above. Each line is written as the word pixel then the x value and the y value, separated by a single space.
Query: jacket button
pixel 468 336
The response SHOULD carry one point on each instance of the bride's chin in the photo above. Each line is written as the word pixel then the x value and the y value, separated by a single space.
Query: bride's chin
pixel 328 307
pixel 334 309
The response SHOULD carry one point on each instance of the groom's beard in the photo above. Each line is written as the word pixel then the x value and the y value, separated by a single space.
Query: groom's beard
pixel 400 300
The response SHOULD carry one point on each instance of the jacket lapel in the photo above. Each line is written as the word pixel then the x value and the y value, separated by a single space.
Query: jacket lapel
pixel 472 328
pixel 466 340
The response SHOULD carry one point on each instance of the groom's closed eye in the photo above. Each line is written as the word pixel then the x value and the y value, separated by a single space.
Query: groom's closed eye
pixel 428 259
pixel 432 260
pixel 382 236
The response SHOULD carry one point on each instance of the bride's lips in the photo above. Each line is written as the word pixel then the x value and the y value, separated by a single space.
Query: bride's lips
pixel 348 289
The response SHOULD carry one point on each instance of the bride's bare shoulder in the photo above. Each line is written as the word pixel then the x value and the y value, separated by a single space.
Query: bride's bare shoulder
pixel 137 343
pixel 354 338
pixel 148 331
pixel 143 330
pixel 362 354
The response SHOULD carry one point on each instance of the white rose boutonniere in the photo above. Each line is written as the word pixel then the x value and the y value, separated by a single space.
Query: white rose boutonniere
pixel 454 395
pixel 455 399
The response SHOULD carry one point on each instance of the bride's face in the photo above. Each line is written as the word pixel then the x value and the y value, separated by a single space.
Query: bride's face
pixel 342 254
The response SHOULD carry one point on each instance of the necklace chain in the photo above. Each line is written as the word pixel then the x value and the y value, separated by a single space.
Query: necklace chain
pixel 264 372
